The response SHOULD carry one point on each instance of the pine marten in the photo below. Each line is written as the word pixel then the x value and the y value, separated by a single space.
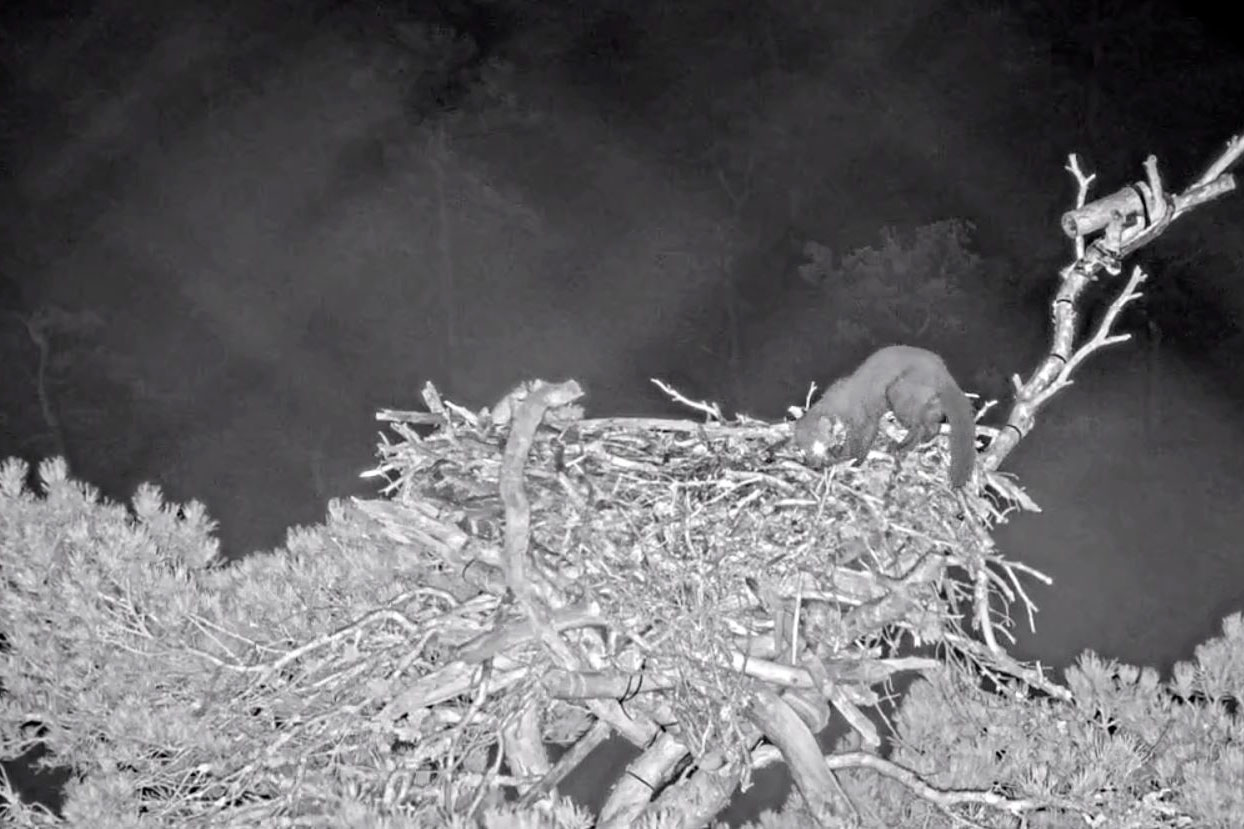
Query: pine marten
pixel 911 382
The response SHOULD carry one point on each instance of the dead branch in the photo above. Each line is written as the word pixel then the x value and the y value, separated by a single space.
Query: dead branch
pixel 945 799
pixel 643 778
pixel 596 735
pixel 825 800
pixel 1130 218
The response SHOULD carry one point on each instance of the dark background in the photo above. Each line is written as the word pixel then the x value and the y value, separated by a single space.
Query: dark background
pixel 260 222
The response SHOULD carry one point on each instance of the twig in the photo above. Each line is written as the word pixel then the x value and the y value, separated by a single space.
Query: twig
pixel 1101 337
pixel 453 680
pixel 980 591
pixel 522 741
pixel 711 409
pixel 267 669
pixel 597 734
pixel 1005 663
pixel 943 798
pixel 488 781
pixel 1230 154
pixel 515 634
pixel 1083 182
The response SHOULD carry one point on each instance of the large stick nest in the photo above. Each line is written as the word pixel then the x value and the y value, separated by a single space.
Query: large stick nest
pixel 679 566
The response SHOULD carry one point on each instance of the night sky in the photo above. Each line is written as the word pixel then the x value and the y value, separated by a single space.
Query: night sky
pixel 230 231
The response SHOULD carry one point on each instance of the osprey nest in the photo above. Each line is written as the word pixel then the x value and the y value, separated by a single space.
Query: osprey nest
pixel 695 587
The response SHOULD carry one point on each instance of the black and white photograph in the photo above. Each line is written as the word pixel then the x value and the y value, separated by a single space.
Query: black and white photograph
pixel 743 414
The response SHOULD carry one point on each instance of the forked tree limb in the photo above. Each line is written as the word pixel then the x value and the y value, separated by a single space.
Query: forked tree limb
pixel 643 778
pixel 942 798
pixel 537 399
pixel 824 798
pixel 1123 235
pixel 522 744
pixel 568 762
pixel 696 801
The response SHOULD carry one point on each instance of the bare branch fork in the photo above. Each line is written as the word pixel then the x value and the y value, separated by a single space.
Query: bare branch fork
pixel 1130 218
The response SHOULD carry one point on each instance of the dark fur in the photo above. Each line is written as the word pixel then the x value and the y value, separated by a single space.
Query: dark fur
pixel 911 382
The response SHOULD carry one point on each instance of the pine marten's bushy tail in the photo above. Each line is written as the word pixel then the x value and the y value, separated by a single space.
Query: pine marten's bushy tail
pixel 958 410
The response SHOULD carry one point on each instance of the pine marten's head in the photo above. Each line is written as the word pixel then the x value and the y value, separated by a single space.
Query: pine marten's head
pixel 823 439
